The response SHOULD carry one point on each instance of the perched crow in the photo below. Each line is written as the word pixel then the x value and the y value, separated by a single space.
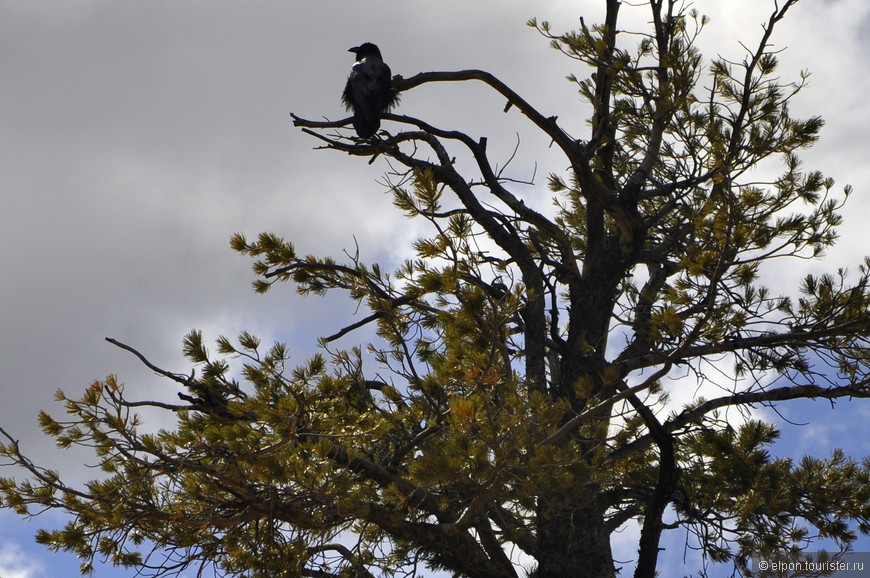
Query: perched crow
pixel 369 91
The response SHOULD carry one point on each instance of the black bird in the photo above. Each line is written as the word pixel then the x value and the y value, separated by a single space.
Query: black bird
pixel 369 92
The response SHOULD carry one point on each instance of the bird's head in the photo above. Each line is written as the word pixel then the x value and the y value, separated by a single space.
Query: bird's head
pixel 365 50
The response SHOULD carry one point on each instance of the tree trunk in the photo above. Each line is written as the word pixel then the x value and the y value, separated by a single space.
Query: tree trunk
pixel 573 541
pixel 573 538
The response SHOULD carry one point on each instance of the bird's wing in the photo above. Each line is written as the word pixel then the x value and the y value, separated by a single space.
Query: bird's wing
pixel 387 98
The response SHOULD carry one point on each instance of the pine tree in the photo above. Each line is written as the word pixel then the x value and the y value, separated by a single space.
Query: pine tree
pixel 514 400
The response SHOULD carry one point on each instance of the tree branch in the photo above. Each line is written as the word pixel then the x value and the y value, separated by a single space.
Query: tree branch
pixel 690 416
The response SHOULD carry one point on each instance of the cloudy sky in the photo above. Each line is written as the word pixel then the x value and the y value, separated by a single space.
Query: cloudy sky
pixel 136 137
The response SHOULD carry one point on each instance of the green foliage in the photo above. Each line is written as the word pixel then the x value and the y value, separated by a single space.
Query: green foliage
pixel 767 505
pixel 516 396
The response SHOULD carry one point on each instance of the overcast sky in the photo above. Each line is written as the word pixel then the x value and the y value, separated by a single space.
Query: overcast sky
pixel 136 137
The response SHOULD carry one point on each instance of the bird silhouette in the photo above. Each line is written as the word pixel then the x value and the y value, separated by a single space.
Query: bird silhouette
pixel 369 91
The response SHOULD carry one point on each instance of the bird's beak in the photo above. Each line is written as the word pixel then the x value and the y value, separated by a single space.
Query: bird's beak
pixel 354 49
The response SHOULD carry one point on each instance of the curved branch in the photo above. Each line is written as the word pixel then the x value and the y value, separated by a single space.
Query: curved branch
pixel 478 149
pixel 345 553
pixel 689 416
pixel 569 146
pixel 177 377
pixel 798 337
pixel 593 186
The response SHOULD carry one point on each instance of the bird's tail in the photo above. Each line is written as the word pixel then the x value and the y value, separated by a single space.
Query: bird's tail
pixel 365 125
